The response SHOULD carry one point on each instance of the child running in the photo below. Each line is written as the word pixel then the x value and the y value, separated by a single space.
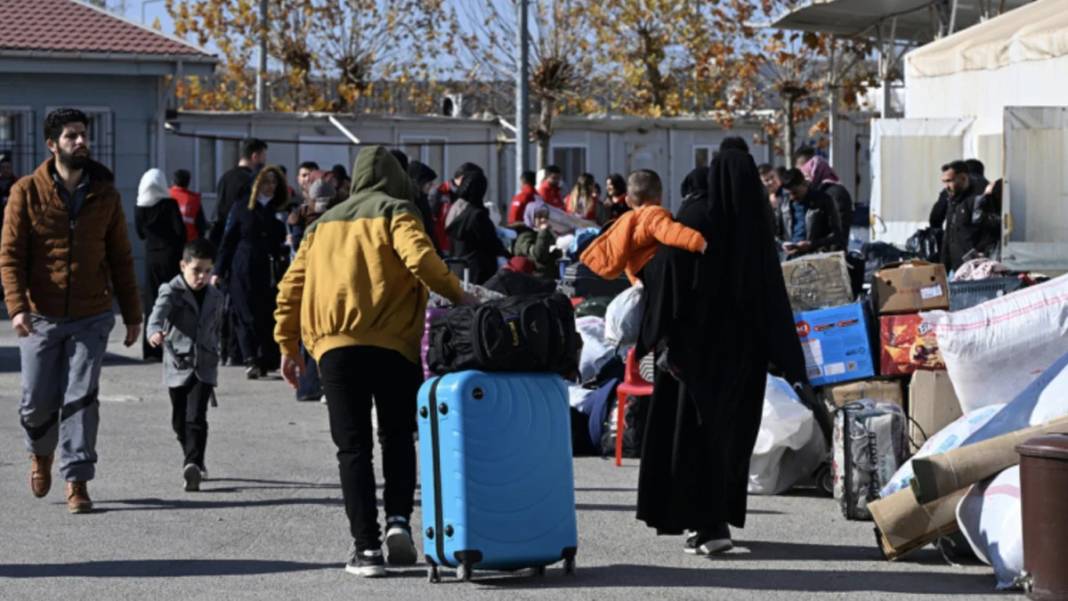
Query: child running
pixel 632 240
pixel 185 321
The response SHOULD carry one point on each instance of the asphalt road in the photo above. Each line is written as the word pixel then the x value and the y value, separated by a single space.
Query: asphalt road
pixel 270 524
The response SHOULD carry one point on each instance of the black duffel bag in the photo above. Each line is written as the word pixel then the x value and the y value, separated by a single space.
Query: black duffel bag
pixel 533 333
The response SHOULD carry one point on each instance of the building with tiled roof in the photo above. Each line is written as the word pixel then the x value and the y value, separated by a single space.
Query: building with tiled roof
pixel 68 53
pixel 40 28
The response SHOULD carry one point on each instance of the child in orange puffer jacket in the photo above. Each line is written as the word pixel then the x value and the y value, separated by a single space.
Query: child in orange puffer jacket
pixel 632 240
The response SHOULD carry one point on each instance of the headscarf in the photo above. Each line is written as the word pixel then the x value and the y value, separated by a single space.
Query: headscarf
pixel 473 188
pixel 695 184
pixel 818 171
pixel 152 189
pixel 421 173
pixel 470 194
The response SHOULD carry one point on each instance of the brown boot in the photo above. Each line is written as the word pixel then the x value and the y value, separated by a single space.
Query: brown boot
pixel 78 497
pixel 40 474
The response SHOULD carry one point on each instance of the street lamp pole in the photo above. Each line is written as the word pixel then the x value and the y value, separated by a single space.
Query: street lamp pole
pixel 522 93
pixel 261 71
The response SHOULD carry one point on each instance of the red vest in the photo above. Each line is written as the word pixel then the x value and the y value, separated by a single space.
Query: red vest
pixel 189 204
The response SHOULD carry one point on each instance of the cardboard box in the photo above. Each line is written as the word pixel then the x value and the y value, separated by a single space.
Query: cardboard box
pixel 907 345
pixel 836 344
pixel 817 281
pixel 910 288
pixel 933 405
pixel 887 391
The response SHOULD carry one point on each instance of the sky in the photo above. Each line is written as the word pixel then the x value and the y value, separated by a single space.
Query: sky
pixel 152 10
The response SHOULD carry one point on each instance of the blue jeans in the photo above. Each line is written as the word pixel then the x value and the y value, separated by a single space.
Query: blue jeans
pixel 61 363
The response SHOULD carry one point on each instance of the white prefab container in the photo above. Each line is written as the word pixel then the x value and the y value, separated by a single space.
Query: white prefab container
pixel 906 156
pixel 996 92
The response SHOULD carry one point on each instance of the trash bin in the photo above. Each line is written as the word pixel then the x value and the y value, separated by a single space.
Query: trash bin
pixel 1043 490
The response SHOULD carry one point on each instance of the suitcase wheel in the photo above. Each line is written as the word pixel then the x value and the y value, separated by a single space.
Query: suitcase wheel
pixel 569 566
pixel 825 479
pixel 432 574
pixel 463 572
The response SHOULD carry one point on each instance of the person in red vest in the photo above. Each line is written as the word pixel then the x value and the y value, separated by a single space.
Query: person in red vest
pixel 196 226
pixel 525 196
pixel 549 188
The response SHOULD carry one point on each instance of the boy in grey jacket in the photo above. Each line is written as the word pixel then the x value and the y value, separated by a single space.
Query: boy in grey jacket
pixel 185 321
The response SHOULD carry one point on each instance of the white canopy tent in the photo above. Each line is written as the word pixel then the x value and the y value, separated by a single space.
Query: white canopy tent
pixel 1017 59
pixel 996 91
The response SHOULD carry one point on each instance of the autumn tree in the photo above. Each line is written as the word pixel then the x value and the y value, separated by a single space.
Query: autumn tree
pixel 322 54
pixel 800 74
pixel 658 53
pixel 561 58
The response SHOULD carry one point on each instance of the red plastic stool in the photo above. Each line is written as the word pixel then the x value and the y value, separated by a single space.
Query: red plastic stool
pixel 633 385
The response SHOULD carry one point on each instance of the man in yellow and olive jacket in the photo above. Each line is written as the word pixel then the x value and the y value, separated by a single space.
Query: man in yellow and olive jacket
pixel 356 295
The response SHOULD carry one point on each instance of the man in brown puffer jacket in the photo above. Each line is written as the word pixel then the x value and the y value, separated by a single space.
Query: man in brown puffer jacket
pixel 64 258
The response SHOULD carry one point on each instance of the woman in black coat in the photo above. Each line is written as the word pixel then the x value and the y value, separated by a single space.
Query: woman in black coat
pixel 251 260
pixel 472 235
pixel 716 322
pixel 158 222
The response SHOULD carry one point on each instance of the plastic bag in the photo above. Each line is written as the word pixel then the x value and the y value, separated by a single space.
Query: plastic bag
pixel 595 352
pixel 623 321
pixel 994 350
pixel 991 518
pixel 1043 400
pixel 789 446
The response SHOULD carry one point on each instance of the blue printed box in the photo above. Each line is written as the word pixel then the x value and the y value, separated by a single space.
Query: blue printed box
pixel 836 344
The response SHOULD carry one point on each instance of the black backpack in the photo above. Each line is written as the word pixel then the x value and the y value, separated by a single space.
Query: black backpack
pixel 926 244
pixel 534 333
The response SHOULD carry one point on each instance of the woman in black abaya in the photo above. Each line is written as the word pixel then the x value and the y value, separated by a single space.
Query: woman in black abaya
pixel 716 322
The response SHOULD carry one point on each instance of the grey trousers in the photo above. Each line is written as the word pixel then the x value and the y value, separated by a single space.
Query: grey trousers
pixel 61 363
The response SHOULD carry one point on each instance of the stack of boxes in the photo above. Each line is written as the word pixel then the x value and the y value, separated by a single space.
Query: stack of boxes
pixel 840 337
pixel 833 330
pixel 909 348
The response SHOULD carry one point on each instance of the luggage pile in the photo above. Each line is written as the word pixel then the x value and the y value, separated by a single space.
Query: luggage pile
pixel 937 385
pixel 497 406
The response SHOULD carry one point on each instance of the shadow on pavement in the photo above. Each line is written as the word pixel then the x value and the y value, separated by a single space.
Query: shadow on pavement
pixel 764 550
pixel 832 581
pixel 244 484
pixel 632 507
pixel 157 568
pixel 155 504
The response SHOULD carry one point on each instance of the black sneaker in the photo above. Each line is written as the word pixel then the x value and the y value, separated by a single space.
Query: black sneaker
pixel 192 476
pixel 254 373
pixel 367 563
pixel 400 550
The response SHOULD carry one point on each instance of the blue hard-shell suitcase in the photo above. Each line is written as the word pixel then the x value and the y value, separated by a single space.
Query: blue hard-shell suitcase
pixel 498 489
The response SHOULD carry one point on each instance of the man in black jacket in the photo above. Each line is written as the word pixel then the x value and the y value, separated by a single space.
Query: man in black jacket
pixel 809 222
pixel 236 184
pixel 969 220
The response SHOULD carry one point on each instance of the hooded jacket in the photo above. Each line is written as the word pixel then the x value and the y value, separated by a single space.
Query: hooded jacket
pixel 633 240
pixel 362 271
pixel 61 265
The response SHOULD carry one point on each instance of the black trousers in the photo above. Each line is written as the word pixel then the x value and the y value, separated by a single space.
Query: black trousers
pixel 351 378
pixel 189 418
